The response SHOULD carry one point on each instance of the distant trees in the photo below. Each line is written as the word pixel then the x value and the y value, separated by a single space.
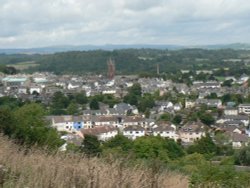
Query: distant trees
pixel 207 118
pixel 134 95
pixel 94 105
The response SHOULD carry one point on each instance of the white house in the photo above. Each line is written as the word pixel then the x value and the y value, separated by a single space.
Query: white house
pixel 243 118
pixel 67 123
pixel 166 131
pixel 35 88
pixel 105 120
pixel 238 140
pixel 134 131
pixel 244 109
pixel 231 111
pixel 134 120
pixel 189 104
pixel 22 90
pixel 191 131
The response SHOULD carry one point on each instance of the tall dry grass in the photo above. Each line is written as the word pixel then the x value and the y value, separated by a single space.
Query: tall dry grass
pixel 37 168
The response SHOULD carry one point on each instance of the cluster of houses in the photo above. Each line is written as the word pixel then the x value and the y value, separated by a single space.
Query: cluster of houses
pixel 41 86
pixel 234 123
pixel 108 122
pixel 106 127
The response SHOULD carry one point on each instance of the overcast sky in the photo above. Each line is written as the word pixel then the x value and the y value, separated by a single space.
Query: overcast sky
pixel 35 23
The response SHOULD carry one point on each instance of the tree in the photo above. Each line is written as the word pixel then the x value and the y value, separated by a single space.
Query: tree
pixel 177 119
pixel 33 129
pixel 147 101
pixel 134 94
pixel 81 98
pixel 223 144
pixel 119 141
pixel 242 157
pixel 72 108
pixel 156 147
pixel 7 122
pixel 59 100
pixel 205 145
pixel 94 105
pixel 150 148
pixel 165 117
pixel 227 83
pixel 91 145
pixel 207 118
pixel 135 89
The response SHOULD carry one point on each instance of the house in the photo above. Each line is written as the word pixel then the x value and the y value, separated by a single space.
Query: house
pixel 35 89
pixel 232 128
pixel 134 120
pixel 244 109
pixel 103 133
pixel 164 105
pixel 166 131
pixel 207 85
pixel 216 103
pixel 22 90
pixel 191 131
pixel 125 108
pixel 238 140
pixel 73 85
pixel 230 111
pixel 67 123
pixel 177 107
pixel 244 78
pixel 134 131
pixel 105 121
pixel 189 104
pixel 243 118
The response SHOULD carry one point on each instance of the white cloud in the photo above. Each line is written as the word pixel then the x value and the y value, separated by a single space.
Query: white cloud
pixel 31 23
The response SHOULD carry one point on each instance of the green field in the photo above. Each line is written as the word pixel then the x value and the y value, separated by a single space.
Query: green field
pixel 25 65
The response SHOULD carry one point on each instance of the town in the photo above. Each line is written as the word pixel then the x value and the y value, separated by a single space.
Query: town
pixel 136 106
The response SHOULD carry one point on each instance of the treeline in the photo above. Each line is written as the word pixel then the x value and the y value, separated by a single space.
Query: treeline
pixel 129 61
pixel 134 61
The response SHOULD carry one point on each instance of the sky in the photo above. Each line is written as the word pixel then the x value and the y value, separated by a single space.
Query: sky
pixel 37 23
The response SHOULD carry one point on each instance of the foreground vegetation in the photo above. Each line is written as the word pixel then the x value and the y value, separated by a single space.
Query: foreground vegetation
pixel 36 168
pixel 150 159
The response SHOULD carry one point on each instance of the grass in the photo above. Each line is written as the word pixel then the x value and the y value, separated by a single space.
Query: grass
pixel 25 65
pixel 37 168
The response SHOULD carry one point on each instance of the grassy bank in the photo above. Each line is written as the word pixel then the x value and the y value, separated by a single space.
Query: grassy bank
pixel 36 168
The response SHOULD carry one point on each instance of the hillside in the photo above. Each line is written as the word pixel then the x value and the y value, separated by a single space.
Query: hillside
pixel 36 168
pixel 130 61
pixel 133 61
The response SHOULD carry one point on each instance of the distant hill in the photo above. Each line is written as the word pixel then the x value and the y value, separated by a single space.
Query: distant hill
pixel 134 61
pixel 110 47
pixel 66 48
pixel 129 61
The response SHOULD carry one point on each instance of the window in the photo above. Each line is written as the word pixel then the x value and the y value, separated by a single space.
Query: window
pixel 67 127
pixel 79 127
pixel 137 132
